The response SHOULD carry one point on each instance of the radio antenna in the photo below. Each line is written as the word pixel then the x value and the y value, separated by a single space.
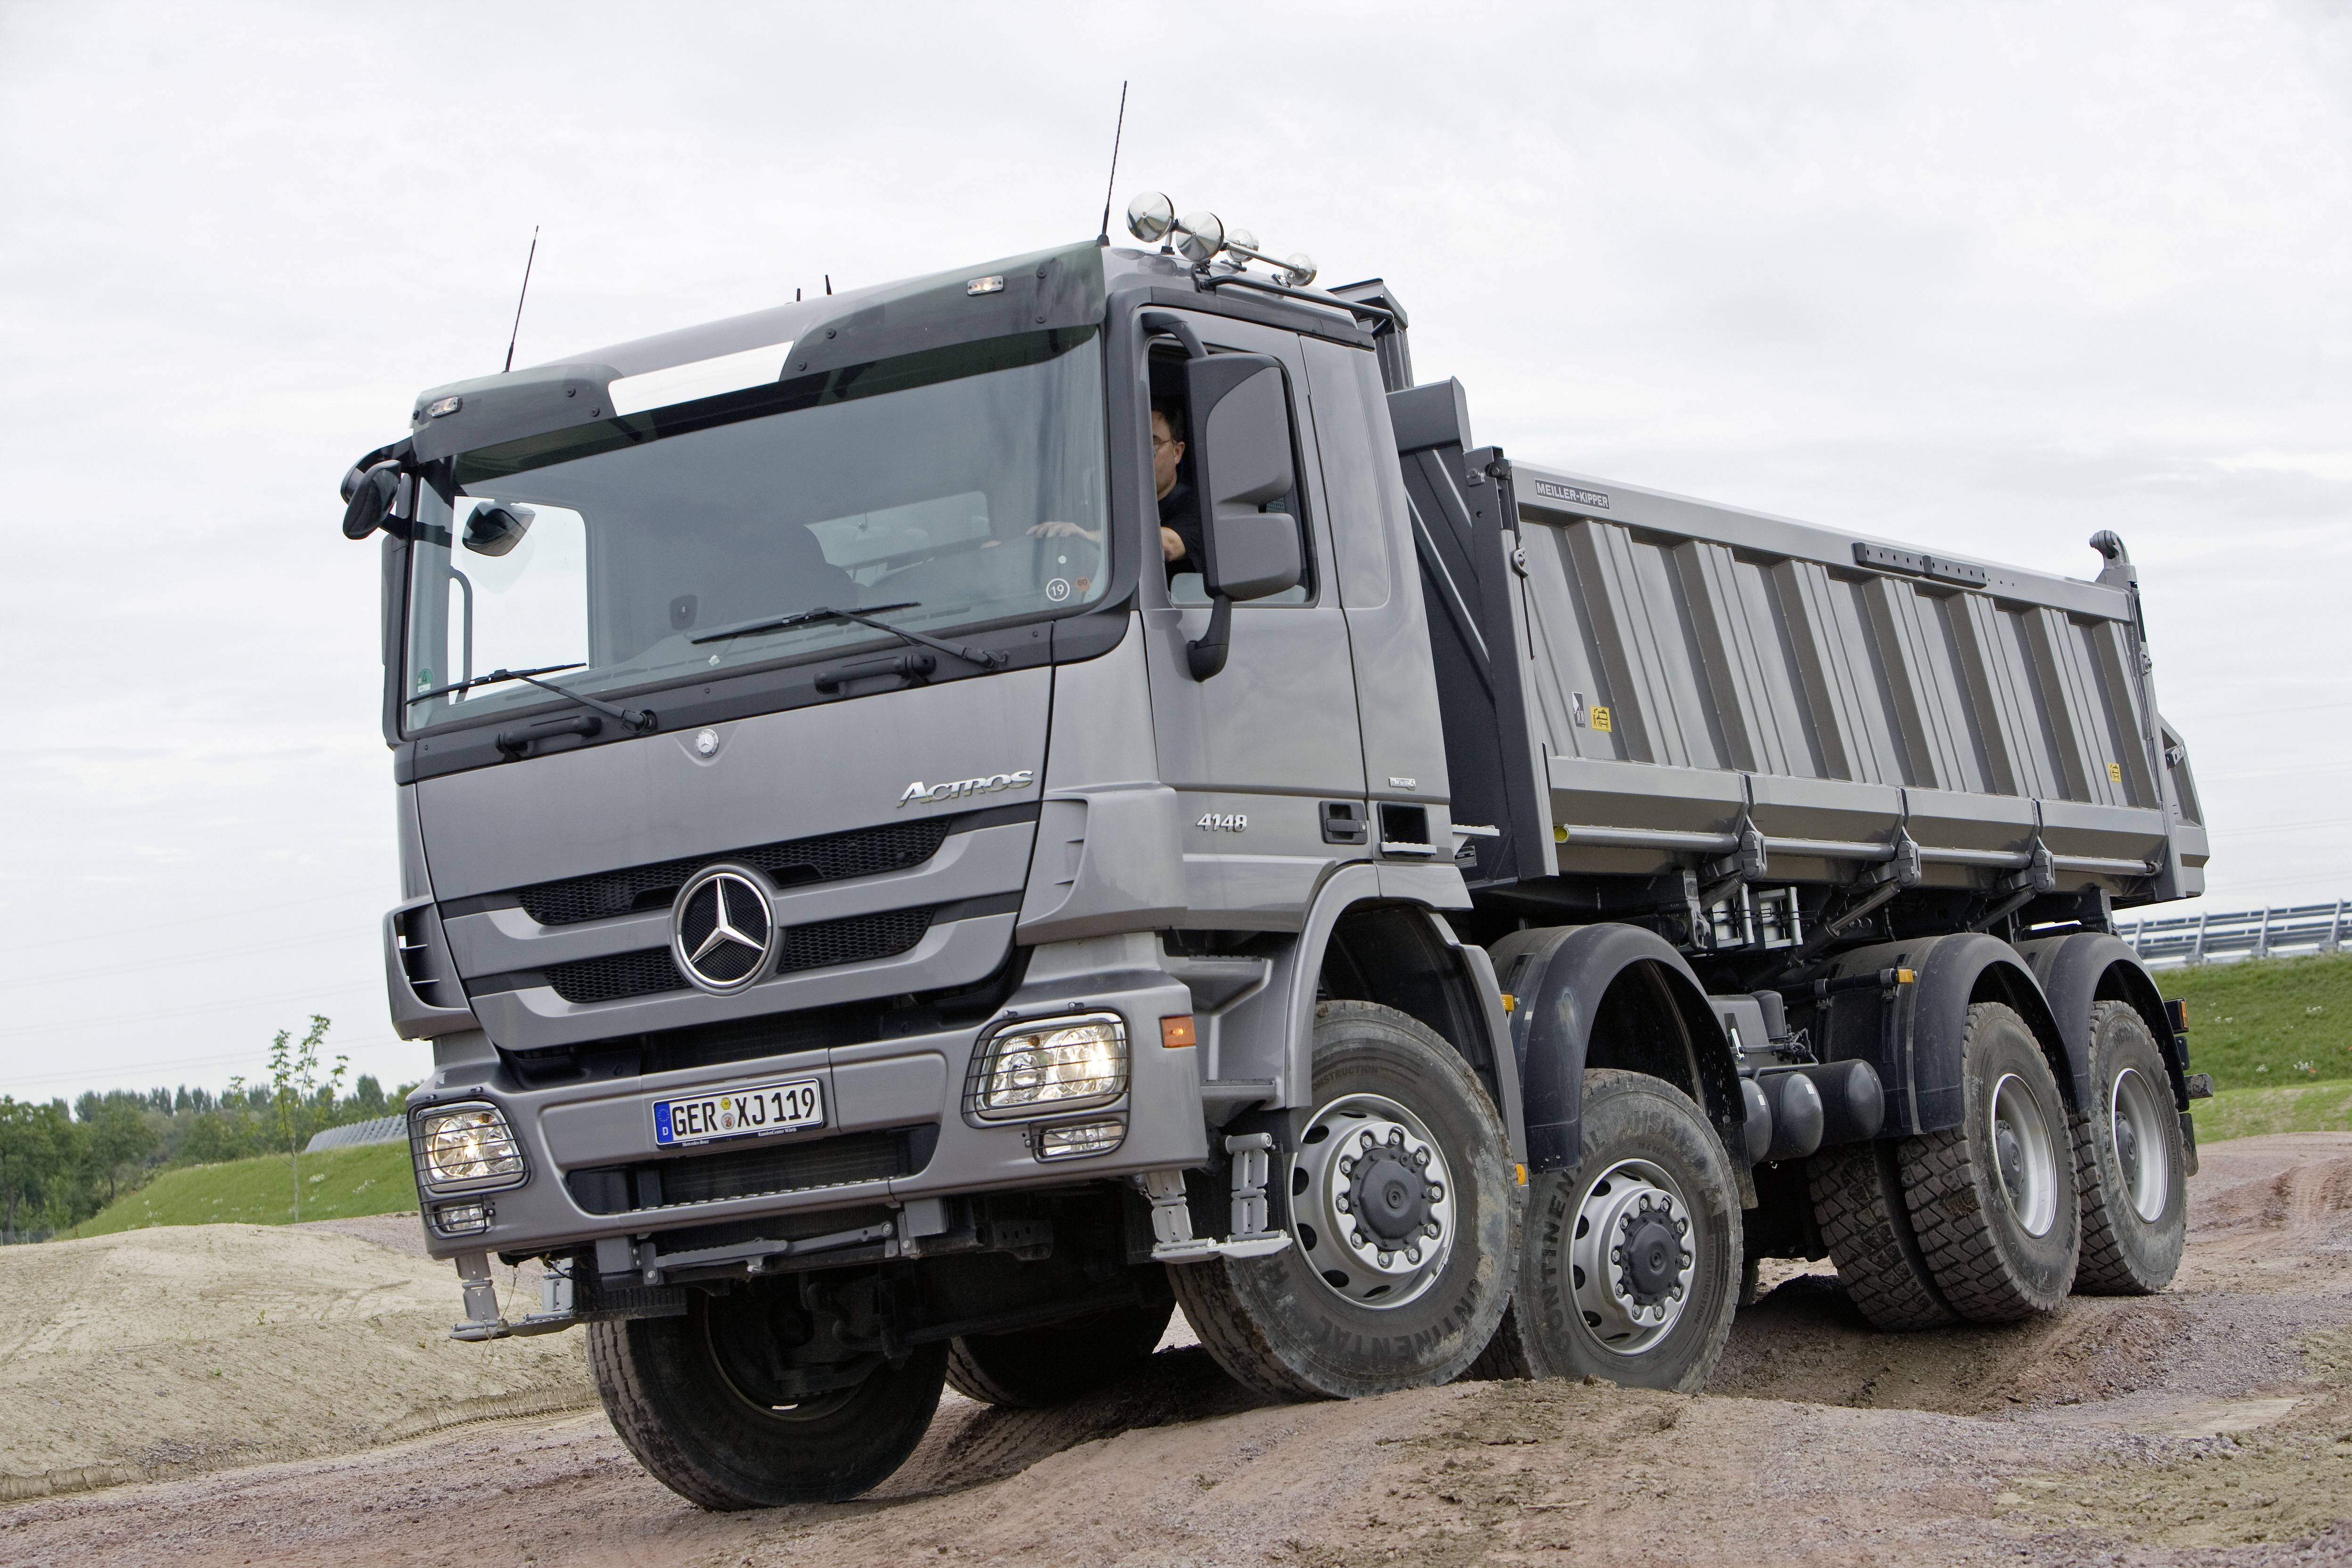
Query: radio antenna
pixel 522 297
pixel 1112 185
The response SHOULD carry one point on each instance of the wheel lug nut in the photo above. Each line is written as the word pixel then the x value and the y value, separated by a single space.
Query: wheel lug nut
pixel 1413 1254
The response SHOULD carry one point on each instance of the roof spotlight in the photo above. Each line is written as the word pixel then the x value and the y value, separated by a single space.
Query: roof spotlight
pixel 1150 217
pixel 1298 269
pixel 1199 236
pixel 1241 242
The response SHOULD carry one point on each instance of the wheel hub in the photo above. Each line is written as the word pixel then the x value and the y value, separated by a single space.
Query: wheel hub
pixel 2141 1153
pixel 1371 1201
pixel 1651 1256
pixel 2024 1155
pixel 1630 1258
pixel 1388 1196
pixel 2010 1154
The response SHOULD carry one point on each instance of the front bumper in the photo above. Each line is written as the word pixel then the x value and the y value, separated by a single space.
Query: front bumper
pixel 576 1136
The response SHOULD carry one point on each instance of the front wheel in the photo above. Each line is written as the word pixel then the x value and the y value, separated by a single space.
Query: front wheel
pixel 1404 1221
pixel 698 1400
pixel 1630 1268
pixel 1031 1368
pixel 2129 1160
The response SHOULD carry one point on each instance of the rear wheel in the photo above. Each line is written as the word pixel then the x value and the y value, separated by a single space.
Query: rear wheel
pixel 1035 1367
pixel 1630 1267
pixel 2128 1161
pixel 1403 1218
pixel 1994 1200
pixel 1858 1203
pixel 700 1400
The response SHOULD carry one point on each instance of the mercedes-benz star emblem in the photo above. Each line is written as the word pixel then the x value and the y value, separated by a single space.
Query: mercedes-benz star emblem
pixel 721 929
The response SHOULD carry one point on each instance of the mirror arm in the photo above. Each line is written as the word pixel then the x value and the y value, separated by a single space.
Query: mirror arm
pixel 1205 655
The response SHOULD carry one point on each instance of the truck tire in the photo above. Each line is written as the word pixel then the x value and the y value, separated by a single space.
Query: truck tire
pixel 1858 1204
pixel 1404 1151
pixel 2129 1163
pixel 1994 1200
pixel 683 1395
pixel 1032 1368
pixel 1630 1264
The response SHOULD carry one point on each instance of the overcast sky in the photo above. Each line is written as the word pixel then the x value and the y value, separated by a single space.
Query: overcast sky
pixel 1985 276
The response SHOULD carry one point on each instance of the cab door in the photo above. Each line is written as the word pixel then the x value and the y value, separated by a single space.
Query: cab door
pixel 1259 750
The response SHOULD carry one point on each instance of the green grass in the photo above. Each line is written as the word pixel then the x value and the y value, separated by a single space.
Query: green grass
pixel 337 1184
pixel 2267 1023
pixel 2247 1113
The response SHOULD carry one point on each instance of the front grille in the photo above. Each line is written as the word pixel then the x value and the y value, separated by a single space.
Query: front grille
pixel 828 858
pixel 856 939
pixel 756 1171
pixel 617 977
pixel 821 945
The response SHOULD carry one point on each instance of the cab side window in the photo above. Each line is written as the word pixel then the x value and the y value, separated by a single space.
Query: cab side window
pixel 1179 503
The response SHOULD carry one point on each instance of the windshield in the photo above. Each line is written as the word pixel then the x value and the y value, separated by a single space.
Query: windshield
pixel 962 485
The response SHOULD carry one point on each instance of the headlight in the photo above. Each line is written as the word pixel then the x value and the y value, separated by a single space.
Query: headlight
pixel 467 1146
pixel 1054 1065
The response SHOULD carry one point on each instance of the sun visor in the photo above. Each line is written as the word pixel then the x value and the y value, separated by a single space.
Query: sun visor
pixel 494 408
pixel 997 299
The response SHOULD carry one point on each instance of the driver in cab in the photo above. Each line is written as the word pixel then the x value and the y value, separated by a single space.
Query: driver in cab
pixel 1180 513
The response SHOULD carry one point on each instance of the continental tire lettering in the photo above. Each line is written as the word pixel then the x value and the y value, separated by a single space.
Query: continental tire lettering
pixel 921 794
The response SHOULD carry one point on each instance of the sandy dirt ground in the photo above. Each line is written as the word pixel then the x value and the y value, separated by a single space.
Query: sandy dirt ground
pixel 2209 1425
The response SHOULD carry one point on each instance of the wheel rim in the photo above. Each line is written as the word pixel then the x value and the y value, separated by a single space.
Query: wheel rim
pixel 1372 1202
pixel 1631 1262
pixel 744 1365
pixel 2140 1152
pixel 2023 1155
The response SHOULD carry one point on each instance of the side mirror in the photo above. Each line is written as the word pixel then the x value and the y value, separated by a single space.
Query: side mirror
pixel 368 499
pixel 494 529
pixel 1240 440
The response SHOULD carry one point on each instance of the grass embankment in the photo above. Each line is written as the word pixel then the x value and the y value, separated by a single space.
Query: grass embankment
pixel 2276 1035
pixel 337 1184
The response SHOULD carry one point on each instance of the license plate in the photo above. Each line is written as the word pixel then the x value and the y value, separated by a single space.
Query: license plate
pixel 740 1113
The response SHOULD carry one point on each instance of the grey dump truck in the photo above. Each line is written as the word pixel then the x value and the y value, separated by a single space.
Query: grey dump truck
pixel 942 822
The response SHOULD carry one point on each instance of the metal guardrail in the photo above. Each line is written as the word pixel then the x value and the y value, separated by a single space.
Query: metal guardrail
pixel 351 1135
pixel 2250 933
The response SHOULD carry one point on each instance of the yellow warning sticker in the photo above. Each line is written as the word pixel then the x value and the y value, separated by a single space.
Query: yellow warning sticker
pixel 1599 717
pixel 2115 773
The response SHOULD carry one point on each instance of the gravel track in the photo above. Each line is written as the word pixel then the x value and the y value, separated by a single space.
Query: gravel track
pixel 2200 1427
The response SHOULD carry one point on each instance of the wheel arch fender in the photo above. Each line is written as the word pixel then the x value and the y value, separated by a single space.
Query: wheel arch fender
pixel 1630 987
pixel 2078 971
pixel 1952 974
pixel 1362 944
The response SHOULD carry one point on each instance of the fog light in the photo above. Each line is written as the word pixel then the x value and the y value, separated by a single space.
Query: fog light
pixel 462 1219
pixel 465 1146
pixel 1075 1139
pixel 1057 1064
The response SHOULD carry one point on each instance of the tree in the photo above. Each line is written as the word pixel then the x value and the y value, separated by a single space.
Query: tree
pixel 295 1089
pixel 29 1151
pixel 120 1134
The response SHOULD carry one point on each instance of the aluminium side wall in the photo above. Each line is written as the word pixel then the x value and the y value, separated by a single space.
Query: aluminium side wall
pixel 1696 674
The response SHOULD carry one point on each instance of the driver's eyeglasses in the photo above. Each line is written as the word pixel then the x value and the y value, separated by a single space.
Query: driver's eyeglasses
pixel 1158 441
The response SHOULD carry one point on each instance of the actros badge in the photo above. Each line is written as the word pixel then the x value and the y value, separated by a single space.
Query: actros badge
pixel 921 794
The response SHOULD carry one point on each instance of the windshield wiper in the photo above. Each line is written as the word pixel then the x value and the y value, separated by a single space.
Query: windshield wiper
pixel 995 659
pixel 637 720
